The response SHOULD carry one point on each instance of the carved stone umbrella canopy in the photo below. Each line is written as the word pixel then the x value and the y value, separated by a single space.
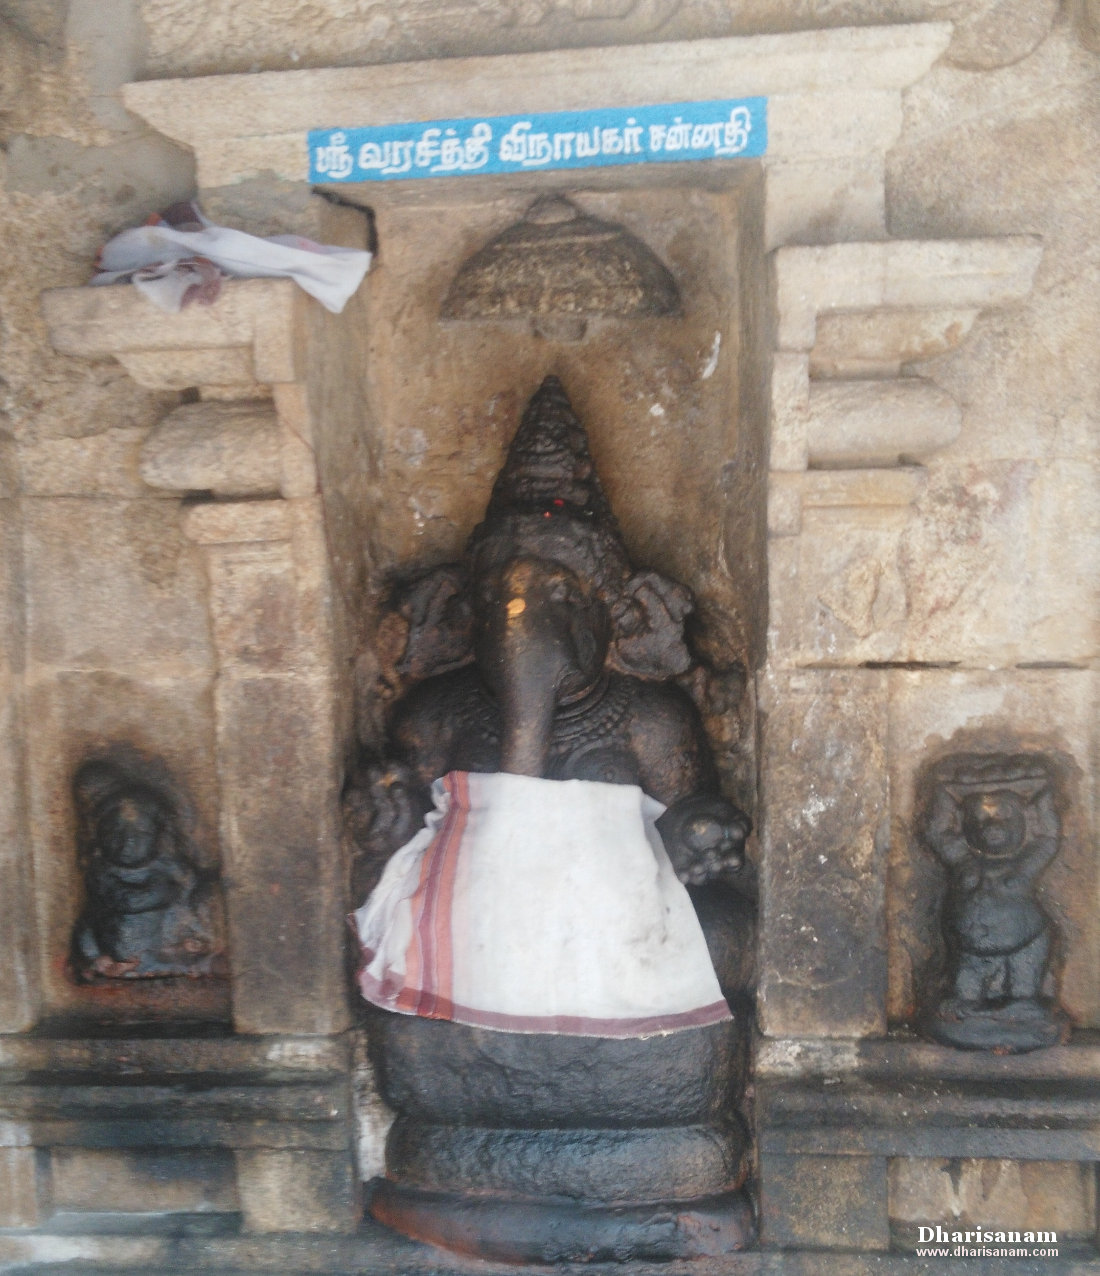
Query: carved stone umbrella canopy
pixel 525 1134
pixel 558 267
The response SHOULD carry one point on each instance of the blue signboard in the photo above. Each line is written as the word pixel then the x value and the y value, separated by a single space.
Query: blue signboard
pixel 733 129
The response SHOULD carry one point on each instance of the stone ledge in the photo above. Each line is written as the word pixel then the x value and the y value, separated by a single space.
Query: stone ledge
pixel 242 126
pixel 904 1055
pixel 262 1057
pixel 230 449
pixel 909 1098
pixel 851 316
pixel 897 274
pixel 250 335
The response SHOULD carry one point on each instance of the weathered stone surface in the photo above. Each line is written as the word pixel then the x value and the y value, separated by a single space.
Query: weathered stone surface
pixel 858 424
pixel 140 172
pixel 451 1073
pixel 904 1058
pixel 261 316
pixel 516 1230
pixel 93 465
pixel 20 985
pixel 92 1179
pixel 823 1202
pixel 238 523
pixel 842 598
pixel 297 1191
pixel 875 344
pixel 229 449
pixel 21 1195
pixel 977 531
pixel 373 1116
pixel 242 127
pixel 124 592
pixel 668 1163
pixel 790 411
pixel 995 33
pixel 1005 150
pixel 222 369
pixel 822 200
pixel 936 578
pixel 207 38
pixel 160 1112
pixel 822 833
pixel 1087 14
pixel 810 281
pixel 933 712
pixel 1054 1196
pixel 279 769
pixel 901 1116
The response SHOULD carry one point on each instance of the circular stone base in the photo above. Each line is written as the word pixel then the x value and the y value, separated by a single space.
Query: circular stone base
pixel 1013 1027
pixel 669 1163
pixel 513 1230
pixel 448 1073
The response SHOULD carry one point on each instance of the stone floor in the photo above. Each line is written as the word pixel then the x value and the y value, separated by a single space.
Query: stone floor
pixel 374 1250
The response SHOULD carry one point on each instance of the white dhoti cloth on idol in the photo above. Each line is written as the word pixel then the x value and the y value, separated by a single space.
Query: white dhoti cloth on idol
pixel 535 905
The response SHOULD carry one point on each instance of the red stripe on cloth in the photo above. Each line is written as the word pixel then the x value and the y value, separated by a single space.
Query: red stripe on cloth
pixel 379 994
pixel 429 967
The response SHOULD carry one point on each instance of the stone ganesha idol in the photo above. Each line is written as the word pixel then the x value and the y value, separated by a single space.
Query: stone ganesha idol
pixel 533 930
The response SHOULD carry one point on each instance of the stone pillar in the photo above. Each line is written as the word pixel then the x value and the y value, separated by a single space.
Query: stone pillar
pixel 279 762
pixel 823 833
pixel 19 987
pixel 22 1188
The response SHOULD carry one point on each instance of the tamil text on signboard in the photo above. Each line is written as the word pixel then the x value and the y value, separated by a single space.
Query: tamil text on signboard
pixel 731 129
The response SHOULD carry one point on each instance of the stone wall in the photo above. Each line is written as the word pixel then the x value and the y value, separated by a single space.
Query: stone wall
pixel 942 600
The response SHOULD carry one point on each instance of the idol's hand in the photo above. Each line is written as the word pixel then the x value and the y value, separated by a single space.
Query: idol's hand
pixel 705 837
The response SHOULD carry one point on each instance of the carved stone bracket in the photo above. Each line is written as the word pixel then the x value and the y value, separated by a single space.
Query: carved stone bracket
pixel 852 425
pixel 852 316
pixel 249 340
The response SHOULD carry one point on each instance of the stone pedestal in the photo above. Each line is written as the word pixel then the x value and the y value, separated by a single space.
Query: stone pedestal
pixel 533 1148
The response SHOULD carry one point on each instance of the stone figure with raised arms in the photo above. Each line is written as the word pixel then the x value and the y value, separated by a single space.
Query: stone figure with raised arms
pixel 992 822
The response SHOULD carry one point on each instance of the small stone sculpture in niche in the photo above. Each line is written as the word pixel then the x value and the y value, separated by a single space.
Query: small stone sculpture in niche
pixel 544 658
pixel 558 268
pixel 149 910
pixel 991 820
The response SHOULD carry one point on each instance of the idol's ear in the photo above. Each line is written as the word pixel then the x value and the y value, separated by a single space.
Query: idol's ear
pixel 648 620
pixel 436 608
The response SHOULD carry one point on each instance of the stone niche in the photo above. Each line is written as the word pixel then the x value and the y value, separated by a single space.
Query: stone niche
pixel 673 405
pixel 773 446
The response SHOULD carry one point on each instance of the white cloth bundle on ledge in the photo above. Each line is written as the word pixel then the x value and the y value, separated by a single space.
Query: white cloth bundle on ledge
pixel 180 257
pixel 534 905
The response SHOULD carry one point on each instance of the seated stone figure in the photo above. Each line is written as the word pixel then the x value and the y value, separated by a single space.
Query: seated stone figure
pixel 544 696
pixel 148 908
pixel 566 658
